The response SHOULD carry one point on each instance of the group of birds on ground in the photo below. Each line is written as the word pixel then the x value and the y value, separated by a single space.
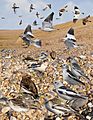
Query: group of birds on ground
pixel 65 101
pixel 72 74
pixel 75 10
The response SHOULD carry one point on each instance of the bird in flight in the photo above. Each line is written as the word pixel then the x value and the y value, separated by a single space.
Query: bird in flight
pixel 15 7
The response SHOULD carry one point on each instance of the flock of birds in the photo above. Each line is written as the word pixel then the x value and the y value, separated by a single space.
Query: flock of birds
pixel 72 74
pixel 48 22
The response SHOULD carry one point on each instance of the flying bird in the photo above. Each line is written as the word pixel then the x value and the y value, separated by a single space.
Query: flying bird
pixel 31 8
pixel 76 14
pixel 62 10
pixel 70 40
pixel 35 23
pixel 86 20
pixel 28 31
pixel 48 6
pixel 20 16
pixel 2 18
pixel 28 38
pixel 20 23
pixel 47 23
pixel 37 14
pixel 41 17
pixel 15 7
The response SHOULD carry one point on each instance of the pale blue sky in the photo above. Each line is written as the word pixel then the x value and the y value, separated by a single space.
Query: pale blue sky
pixel 12 20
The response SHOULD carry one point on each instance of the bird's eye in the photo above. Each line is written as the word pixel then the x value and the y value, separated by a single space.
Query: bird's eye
pixel 55 82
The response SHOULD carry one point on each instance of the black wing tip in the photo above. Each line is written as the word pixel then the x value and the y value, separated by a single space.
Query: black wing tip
pixel 75 7
pixel 71 31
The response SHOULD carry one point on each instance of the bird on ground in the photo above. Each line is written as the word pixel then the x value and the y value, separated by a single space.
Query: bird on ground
pixel 28 86
pixel 41 66
pixel 69 77
pixel 43 56
pixel 14 8
pixel 76 69
pixel 17 104
pixel 66 93
pixel 56 106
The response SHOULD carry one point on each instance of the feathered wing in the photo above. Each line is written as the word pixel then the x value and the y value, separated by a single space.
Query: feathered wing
pixel 47 23
pixel 37 43
pixel 28 31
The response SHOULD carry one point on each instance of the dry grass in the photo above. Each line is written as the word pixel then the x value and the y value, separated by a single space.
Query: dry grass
pixel 50 40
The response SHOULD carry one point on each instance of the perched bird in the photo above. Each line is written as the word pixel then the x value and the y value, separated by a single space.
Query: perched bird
pixel 76 14
pixel 28 86
pixel 41 66
pixel 76 69
pixel 70 40
pixel 31 8
pixel 86 20
pixel 69 77
pixel 62 10
pixel 18 105
pixel 47 23
pixel 20 23
pixel 43 56
pixel 15 7
pixel 48 6
pixel 56 106
pixel 66 93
